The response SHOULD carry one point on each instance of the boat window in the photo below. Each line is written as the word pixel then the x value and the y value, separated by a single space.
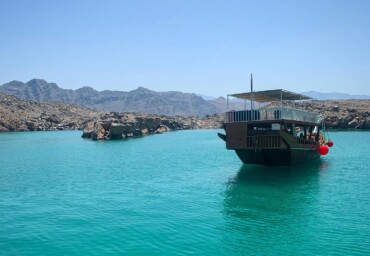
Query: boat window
pixel 299 131
pixel 275 127
pixel 263 129
pixel 289 128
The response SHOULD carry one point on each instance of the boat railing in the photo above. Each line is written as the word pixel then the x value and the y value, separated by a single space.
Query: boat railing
pixel 306 141
pixel 271 114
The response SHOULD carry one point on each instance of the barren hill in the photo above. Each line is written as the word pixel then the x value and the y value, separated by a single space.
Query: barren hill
pixel 26 115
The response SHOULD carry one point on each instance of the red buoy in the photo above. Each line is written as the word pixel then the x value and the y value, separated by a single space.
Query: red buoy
pixel 323 150
pixel 330 143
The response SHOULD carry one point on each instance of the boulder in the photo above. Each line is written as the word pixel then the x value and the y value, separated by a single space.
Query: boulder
pixel 335 108
pixel 106 124
pixel 98 133
pixel 128 127
pixel 3 129
pixel 162 129
pixel 116 130
pixel 343 122
pixel 144 131
pixel 53 119
pixel 137 133
pixel 353 123
pixel 88 129
pixel 30 125
pixel 72 125
pixel 365 124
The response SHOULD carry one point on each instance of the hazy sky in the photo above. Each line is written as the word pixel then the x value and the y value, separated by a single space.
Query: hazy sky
pixel 206 47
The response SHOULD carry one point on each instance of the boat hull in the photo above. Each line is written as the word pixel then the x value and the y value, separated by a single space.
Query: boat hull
pixel 277 156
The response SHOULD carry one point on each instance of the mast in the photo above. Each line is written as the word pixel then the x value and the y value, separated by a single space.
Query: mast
pixel 251 91
pixel 281 98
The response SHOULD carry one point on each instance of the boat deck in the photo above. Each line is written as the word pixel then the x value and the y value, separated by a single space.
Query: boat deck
pixel 271 114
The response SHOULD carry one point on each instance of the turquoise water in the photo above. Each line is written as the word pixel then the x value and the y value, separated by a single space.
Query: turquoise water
pixel 178 193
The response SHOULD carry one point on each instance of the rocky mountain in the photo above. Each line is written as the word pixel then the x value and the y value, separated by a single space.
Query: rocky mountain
pixel 334 96
pixel 26 115
pixel 139 100
pixel 206 97
pixel 234 104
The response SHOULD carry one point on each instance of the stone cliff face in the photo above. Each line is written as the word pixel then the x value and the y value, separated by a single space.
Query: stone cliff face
pixel 124 125
pixel 26 115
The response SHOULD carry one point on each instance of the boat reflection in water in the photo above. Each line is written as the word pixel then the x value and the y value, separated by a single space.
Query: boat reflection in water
pixel 268 209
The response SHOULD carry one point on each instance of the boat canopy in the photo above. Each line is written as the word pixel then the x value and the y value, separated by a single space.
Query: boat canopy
pixel 271 95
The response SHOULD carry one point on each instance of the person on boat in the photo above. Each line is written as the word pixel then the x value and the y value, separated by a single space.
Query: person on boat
pixel 321 139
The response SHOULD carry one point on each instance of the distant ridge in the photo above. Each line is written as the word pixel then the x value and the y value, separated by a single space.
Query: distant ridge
pixel 138 100
pixel 206 97
pixel 334 96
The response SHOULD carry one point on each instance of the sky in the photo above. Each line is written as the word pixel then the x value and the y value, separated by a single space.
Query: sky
pixel 204 47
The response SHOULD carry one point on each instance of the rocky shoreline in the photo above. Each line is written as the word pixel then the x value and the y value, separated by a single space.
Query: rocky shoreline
pixel 337 114
pixel 125 125
pixel 26 115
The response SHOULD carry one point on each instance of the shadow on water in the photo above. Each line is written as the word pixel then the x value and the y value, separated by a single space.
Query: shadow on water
pixel 278 174
pixel 263 202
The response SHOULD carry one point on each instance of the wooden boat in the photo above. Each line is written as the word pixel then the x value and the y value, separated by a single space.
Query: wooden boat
pixel 273 135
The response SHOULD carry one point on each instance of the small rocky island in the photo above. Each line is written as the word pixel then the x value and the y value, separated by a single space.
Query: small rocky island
pixel 125 125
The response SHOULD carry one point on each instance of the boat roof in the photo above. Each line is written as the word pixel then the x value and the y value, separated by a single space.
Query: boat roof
pixel 271 95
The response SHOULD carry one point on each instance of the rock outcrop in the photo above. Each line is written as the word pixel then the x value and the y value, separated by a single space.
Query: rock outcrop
pixel 26 115
pixel 124 125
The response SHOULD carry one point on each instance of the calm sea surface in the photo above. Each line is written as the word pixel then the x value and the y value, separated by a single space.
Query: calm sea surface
pixel 178 193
